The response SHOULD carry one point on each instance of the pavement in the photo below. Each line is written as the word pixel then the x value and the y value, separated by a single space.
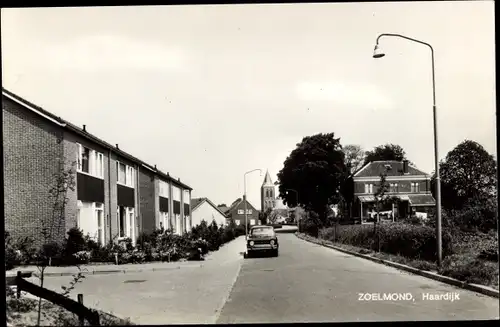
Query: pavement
pixel 306 283
pixel 191 294
pixel 312 283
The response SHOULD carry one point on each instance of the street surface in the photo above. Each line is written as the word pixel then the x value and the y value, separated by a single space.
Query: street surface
pixel 306 283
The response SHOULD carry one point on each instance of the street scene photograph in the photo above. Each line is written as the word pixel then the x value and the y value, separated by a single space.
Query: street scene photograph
pixel 250 163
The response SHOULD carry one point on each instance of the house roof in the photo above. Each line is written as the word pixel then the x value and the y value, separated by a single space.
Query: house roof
pixel 65 124
pixel 223 208
pixel 375 168
pixel 237 203
pixel 196 202
pixel 267 180
pixel 422 199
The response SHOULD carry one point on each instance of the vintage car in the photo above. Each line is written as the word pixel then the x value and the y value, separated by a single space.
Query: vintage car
pixel 262 239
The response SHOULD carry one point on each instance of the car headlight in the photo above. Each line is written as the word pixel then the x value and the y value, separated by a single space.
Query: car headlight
pixel 252 243
pixel 272 242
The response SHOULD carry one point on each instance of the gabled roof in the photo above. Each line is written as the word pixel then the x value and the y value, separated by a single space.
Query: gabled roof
pixel 195 203
pixel 223 208
pixel 267 180
pixel 69 126
pixel 375 168
pixel 237 203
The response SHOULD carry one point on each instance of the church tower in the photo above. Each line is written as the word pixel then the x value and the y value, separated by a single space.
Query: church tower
pixel 267 196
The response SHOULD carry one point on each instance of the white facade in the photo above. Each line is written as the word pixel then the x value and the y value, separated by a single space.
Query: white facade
pixel 90 220
pixel 207 212
pixel 176 218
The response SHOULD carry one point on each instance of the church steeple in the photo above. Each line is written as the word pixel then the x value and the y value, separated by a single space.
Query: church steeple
pixel 267 193
pixel 267 180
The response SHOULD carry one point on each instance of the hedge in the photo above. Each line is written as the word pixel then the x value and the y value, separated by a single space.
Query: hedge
pixel 411 241
pixel 159 245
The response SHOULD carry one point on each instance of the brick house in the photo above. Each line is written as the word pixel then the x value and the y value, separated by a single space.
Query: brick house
pixel 409 184
pixel 236 212
pixel 116 194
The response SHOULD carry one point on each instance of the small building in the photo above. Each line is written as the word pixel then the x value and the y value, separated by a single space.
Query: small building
pixel 204 209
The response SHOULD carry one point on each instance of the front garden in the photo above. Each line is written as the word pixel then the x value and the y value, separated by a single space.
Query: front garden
pixel 160 245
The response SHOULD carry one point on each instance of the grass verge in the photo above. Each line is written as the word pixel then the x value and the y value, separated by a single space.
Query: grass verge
pixel 23 312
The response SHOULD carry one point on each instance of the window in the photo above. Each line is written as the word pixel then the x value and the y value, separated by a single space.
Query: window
pixel 394 188
pixel 131 224
pixel 164 220
pixel 164 189
pixel 241 212
pixel 125 174
pixel 78 224
pixel 121 173
pixel 99 214
pixel 368 188
pixel 237 222
pixel 415 187
pixel 90 161
pixel 252 221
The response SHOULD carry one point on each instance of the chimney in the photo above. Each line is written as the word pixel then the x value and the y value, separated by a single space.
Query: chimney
pixel 117 146
pixel 405 167
pixel 155 167
pixel 84 128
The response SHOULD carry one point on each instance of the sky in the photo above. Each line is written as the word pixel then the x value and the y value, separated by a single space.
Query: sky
pixel 209 92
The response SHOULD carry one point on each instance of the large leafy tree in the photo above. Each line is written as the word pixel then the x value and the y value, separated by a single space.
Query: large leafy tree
pixel 468 173
pixel 316 170
pixel 354 157
pixel 387 151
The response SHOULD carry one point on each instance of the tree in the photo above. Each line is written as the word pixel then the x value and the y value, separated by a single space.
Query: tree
pixel 354 157
pixel 264 216
pixel 382 201
pixel 387 151
pixel 315 169
pixel 53 228
pixel 468 172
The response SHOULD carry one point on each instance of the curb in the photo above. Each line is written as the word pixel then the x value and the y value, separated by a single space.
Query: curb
pixel 107 272
pixel 447 280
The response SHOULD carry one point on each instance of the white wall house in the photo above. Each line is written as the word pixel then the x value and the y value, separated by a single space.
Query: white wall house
pixel 204 209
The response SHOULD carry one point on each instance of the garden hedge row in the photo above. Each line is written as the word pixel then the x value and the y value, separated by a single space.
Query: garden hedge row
pixel 159 245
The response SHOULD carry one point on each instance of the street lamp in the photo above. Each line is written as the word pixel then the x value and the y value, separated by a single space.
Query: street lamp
pixel 377 53
pixel 245 197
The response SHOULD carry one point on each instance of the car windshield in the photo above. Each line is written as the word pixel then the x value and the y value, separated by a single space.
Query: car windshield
pixel 263 231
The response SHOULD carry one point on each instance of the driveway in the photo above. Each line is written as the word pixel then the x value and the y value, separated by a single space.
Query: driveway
pixel 311 283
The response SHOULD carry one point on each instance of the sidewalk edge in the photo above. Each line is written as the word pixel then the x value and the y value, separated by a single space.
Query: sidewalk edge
pixel 447 280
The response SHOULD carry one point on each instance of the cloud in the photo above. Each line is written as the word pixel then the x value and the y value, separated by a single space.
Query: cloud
pixel 351 95
pixel 110 52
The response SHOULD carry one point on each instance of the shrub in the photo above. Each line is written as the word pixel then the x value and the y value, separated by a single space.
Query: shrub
pixel 415 242
pixel 54 251
pixel 27 250
pixel 75 242
pixel 468 269
pixel 11 253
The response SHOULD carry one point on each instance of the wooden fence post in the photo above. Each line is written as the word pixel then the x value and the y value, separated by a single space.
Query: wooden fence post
pixel 18 289
pixel 82 318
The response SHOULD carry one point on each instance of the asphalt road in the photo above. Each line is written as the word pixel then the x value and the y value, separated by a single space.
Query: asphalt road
pixel 311 283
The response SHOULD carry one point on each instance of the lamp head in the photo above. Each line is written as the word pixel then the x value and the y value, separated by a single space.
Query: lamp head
pixel 377 53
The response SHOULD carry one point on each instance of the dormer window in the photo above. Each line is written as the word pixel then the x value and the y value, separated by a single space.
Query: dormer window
pixel 368 188
pixel 415 187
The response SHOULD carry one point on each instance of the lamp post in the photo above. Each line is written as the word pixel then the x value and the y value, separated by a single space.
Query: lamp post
pixel 377 53
pixel 245 197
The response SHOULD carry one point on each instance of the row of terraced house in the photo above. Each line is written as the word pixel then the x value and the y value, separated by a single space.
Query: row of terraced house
pixel 116 195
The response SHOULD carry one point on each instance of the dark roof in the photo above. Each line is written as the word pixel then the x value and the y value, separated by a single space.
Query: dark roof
pixel 198 201
pixel 223 208
pixel 95 139
pixel 375 168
